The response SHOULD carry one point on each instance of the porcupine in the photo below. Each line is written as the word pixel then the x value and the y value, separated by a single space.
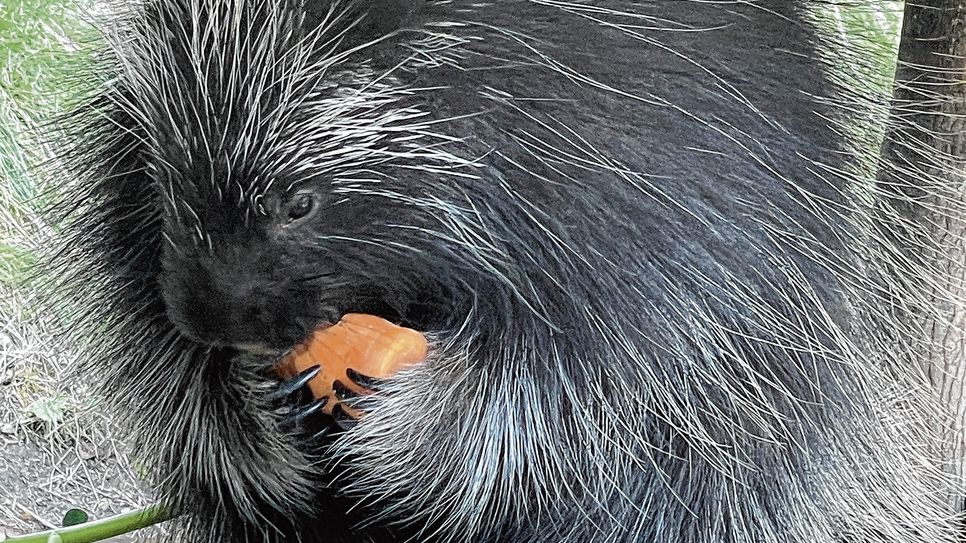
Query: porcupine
pixel 635 233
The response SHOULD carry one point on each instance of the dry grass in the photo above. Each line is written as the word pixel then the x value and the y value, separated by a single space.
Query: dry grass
pixel 58 450
pixel 56 445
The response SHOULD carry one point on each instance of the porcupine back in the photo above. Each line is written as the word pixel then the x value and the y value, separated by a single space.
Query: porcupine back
pixel 658 305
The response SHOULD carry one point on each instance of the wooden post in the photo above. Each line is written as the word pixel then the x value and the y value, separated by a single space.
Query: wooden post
pixel 924 191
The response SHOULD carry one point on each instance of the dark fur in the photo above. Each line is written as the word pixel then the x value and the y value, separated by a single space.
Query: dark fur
pixel 633 231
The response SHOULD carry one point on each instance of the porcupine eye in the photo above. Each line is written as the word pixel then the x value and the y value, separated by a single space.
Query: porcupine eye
pixel 301 206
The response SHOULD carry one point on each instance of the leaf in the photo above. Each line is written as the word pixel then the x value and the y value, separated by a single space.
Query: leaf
pixel 73 517
pixel 50 410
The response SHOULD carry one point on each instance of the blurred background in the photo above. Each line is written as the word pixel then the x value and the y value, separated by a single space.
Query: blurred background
pixel 56 445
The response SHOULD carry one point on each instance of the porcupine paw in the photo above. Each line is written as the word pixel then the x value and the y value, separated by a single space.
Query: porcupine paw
pixel 351 396
pixel 343 401
pixel 294 405
pixel 344 364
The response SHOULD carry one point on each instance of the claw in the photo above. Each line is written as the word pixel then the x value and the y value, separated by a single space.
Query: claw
pixel 344 404
pixel 354 403
pixel 292 385
pixel 370 383
pixel 342 392
pixel 298 414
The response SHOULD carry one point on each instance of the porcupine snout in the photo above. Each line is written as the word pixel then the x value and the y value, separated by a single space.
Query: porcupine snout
pixel 225 300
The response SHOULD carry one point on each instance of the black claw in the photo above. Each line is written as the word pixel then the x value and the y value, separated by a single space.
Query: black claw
pixel 342 419
pixel 342 392
pixel 299 413
pixel 291 386
pixel 370 383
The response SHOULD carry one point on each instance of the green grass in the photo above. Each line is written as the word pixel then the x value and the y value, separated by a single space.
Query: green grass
pixel 39 53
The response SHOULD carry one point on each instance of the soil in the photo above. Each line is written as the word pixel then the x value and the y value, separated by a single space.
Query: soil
pixel 37 486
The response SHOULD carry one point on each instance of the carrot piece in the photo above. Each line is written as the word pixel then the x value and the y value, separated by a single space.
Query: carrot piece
pixel 368 344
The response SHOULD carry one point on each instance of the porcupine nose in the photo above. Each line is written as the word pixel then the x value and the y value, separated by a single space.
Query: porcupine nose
pixel 224 309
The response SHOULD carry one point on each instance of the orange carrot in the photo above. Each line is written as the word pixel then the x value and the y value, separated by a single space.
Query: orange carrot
pixel 367 344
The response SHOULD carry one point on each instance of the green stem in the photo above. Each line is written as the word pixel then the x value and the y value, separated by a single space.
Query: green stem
pixel 98 530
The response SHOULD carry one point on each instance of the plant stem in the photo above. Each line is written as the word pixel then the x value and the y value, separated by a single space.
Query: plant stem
pixel 98 530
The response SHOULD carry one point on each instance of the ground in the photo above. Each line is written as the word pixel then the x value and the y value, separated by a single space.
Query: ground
pixel 58 450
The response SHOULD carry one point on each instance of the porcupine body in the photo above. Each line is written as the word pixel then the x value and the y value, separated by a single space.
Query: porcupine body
pixel 635 232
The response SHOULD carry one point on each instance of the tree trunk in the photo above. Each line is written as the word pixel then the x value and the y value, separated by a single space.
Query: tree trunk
pixel 923 185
